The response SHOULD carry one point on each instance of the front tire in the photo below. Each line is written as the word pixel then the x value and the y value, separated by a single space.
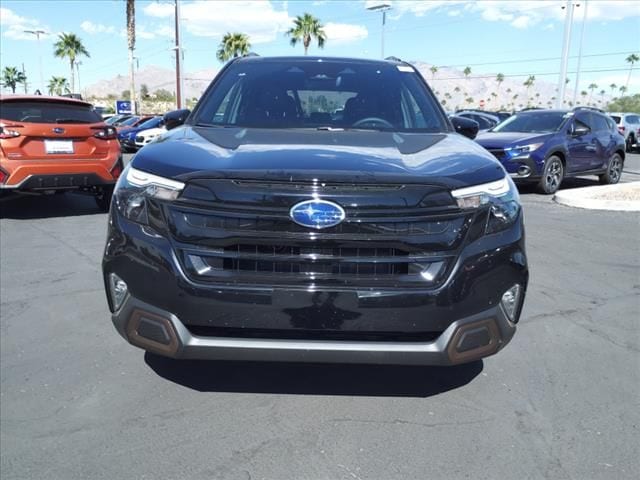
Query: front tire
pixel 614 171
pixel 629 143
pixel 103 198
pixel 552 175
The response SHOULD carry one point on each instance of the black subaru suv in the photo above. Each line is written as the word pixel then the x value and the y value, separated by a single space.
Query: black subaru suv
pixel 317 210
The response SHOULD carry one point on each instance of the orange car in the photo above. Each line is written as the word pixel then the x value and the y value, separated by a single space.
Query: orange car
pixel 52 144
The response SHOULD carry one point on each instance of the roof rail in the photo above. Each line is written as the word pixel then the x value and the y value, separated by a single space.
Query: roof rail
pixel 595 109
pixel 394 59
pixel 251 54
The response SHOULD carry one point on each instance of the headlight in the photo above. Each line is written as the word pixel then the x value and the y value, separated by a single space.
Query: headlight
pixel 500 196
pixel 136 188
pixel 523 149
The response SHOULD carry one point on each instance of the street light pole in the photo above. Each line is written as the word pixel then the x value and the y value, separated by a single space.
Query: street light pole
pixel 584 20
pixel 383 7
pixel 566 42
pixel 37 33
pixel 78 70
pixel 178 50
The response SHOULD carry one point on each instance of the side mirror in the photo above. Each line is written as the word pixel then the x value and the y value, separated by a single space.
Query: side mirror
pixel 465 126
pixel 175 118
pixel 579 131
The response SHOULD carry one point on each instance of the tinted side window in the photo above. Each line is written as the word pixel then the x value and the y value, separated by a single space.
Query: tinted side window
pixel 615 118
pixel 580 121
pixel 599 123
pixel 633 119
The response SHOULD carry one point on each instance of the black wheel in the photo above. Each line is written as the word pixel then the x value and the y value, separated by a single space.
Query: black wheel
pixel 629 143
pixel 103 198
pixel 614 170
pixel 552 175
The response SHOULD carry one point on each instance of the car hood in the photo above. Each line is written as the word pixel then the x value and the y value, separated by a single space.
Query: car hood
pixel 446 159
pixel 508 139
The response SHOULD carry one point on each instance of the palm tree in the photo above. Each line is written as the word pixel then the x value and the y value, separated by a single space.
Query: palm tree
pixel 584 95
pixel 131 44
pixel 499 80
pixel 467 72
pixel 603 92
pixel 623 90
pixel 306 28
pixel 233 45
pixel 591 87
pixel 70 46
pixel 11 77
pixel 631 59
pixel 434 70
pixel 58 85
pixel 529 83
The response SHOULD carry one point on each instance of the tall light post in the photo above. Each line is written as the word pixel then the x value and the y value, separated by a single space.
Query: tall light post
pixel 178 49
pixel 566 42
pixel 584 21
pixel 383 7
pixel 78 70
pixel 37 33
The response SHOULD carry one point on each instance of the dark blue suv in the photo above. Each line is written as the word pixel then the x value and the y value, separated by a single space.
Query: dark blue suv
pixel 545 146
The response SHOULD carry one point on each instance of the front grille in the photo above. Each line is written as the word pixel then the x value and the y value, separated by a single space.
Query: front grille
pixel 238 232
pixel 281 263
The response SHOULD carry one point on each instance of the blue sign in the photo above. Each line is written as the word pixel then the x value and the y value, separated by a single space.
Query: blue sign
pixel 317 214
pixel 123 107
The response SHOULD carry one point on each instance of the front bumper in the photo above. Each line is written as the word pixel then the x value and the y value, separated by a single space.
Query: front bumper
pixel 168 313
pixel 467 339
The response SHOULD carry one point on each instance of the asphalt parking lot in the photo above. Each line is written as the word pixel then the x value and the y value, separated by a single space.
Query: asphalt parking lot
pixel 561 401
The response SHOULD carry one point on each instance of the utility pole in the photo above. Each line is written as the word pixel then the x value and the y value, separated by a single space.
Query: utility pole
pixel 566 42
pixel 584 21
pixel 383 7
pixel 178 50
pixel 78 70
pixel 37 33
pixel 25 79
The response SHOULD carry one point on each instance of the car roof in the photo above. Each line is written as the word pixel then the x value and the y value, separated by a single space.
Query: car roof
pixel 41 98
pixel 309 59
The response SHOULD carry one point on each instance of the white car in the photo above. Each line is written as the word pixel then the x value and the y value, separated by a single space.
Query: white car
pixel 147 136
pixel 629 128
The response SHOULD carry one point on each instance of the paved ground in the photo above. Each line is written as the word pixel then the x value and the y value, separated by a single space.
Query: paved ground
pixel 561 401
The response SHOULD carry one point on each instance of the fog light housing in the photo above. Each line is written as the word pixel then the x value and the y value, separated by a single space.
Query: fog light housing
pixel 118 290
pixel 511 301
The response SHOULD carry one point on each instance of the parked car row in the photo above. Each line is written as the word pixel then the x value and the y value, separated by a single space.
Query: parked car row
pixel 546 146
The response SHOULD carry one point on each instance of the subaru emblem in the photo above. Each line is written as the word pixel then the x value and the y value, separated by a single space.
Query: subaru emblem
pixel 317 214
pixel 58 130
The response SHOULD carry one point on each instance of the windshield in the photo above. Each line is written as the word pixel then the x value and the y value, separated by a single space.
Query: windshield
pixel 534 122
pixel 327 94
pixel 129 121
pixel 151 123
pixel 48 112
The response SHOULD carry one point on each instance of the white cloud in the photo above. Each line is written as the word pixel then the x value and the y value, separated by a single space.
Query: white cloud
pixel 518 13
pixel 345 33
pixel 14 25
pixel 261 20
pixel 95 28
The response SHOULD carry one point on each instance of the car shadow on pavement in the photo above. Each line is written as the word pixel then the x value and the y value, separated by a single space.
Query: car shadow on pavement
pixel 313 379
pixel 30 207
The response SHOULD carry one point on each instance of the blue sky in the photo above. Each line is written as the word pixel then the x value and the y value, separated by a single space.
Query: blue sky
pixel 510 37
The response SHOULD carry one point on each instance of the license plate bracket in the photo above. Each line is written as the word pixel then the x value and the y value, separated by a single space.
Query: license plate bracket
pixel 53 147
